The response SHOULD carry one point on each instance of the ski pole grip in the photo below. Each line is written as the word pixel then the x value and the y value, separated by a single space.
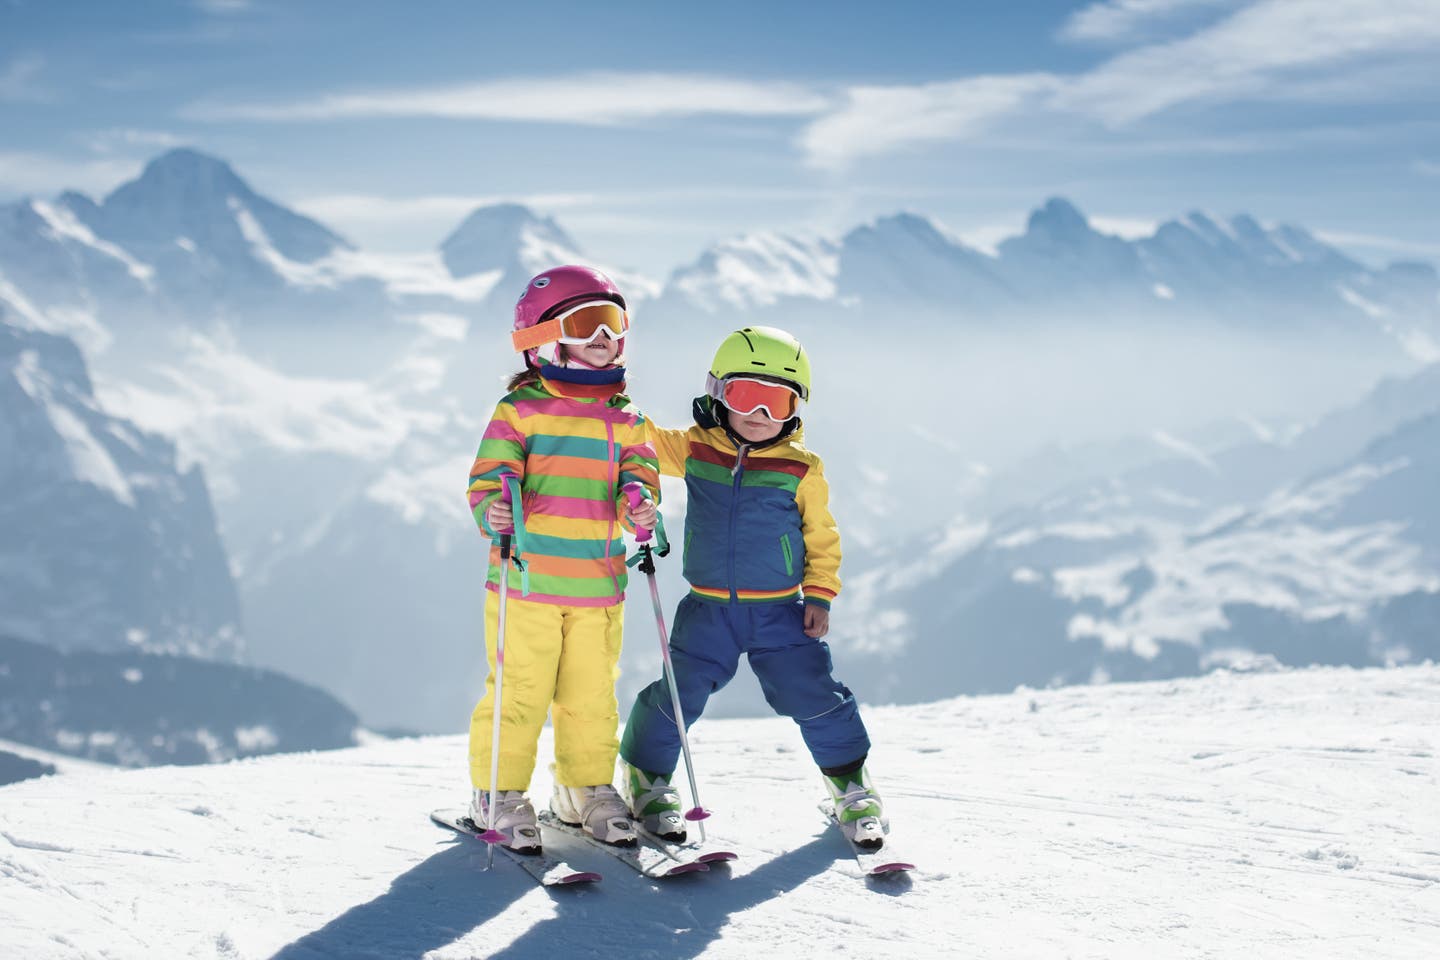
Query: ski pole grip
pixel 506 498
pixel 636 493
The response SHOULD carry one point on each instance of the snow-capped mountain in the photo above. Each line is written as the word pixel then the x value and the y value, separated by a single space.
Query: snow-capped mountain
pixel 1264 816
pixel 108 543
pixel 1319 548
pixel 758 271
pixel 334 397
pixel 1061 271
pixel 508 239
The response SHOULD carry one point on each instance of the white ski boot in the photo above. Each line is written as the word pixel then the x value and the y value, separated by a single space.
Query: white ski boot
pixel 653 802
pixel 858 809
pixel 514 817
pixel 598 810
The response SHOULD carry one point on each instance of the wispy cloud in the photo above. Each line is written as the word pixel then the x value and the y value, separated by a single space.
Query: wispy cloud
pixel 1428 168
pixel 17 80
pixel 370 209
pixel 113 140
pixel 598 99
pixel 877 120
pixel 1374 243
pixel 224 7
pixel 1297 50
pixel 1255 52
pixel 37 173
pixel 1117 20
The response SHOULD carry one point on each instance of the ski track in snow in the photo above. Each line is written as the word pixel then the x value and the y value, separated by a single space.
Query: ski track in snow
pixel 1270 815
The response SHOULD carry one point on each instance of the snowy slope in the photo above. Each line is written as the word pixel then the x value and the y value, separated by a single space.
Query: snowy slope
pixel 1275 815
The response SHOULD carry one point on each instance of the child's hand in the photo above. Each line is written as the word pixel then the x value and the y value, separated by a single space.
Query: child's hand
pixel 500 516
pixel 643 516
pixel 817 621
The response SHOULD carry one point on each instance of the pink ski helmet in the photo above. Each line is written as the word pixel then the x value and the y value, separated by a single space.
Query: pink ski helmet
pixel 551 293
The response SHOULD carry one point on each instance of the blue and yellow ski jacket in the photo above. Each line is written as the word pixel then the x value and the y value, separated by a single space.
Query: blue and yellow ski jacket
pixel 758 527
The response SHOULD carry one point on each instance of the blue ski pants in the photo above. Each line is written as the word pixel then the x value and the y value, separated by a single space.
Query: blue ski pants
pixel 794 672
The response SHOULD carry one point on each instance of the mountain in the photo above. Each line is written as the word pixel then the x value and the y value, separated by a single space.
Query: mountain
pixel 1061 271
pixel 906 260
pixel 334 396
pixel 187 246
pixel 1321 549
pixel 508 238
pixel 139 709
pixel 14 768
pixel 758 271
pixel 106 541
pixel 505 245
pixel 1227 816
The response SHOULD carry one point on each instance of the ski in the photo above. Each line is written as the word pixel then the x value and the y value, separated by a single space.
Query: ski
pixel 549 871
pixel 874 862
pixel 686 850
pixel 644 859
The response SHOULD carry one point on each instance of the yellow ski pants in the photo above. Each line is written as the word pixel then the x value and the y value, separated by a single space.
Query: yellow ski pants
pixel 560 660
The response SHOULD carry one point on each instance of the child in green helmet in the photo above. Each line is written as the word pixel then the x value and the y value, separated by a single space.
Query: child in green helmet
pixel 762 556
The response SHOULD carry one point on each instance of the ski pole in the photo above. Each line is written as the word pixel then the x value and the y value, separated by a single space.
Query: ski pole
pixel 697 813
pixel 492 836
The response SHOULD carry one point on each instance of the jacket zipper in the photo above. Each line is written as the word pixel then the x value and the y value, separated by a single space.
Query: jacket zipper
pixel 614 483
pixel 737 474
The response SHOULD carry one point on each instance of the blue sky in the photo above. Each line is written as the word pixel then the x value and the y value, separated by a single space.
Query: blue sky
pixel 651 129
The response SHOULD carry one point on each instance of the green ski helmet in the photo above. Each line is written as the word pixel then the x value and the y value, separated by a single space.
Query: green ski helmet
pixel 766 352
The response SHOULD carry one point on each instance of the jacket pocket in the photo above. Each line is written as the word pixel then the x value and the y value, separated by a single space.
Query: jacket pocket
pixel 789 557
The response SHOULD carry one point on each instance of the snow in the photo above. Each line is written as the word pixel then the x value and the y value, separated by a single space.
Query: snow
pixel 1265 815
pixel 64 224
pixel 758 270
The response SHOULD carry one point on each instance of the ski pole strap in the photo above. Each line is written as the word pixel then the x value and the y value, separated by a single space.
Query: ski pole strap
pixel 511 486
pixel 637 494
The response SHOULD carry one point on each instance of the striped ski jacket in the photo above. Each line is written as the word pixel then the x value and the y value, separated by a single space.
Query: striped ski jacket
pixel 574 447
pixel 758 527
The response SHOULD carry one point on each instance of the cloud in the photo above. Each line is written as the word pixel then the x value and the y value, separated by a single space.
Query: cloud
pixel 109 141
pixel 16 79
pixel 1254 53
pixel 598 99
pixel 370 209
pixel 36 173
pixel 1117 20
pixel 1427 168
pixel 1322 51
pixel 224 7
pixel 1372 243
pixel 877 120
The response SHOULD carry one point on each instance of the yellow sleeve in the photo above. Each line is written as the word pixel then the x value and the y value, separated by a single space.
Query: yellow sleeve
pixel 672 448
pixel 821 582
pixel 637 465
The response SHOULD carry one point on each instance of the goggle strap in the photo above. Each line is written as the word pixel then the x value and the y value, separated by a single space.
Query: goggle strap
pixel 536 336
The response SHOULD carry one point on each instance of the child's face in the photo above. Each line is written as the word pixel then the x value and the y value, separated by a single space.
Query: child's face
pixel 756 427
pixel 600 352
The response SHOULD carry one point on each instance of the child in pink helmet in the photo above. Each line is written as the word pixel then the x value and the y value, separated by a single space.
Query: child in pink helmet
pixel 573 438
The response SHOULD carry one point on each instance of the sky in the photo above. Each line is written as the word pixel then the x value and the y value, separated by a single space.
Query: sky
pixel 651 130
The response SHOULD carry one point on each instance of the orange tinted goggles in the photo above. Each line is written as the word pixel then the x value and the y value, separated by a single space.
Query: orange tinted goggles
pixel 579 324
pixel 744 395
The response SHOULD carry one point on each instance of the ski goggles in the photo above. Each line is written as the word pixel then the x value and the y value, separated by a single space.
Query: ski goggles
pixel 580 324
pixel 745 395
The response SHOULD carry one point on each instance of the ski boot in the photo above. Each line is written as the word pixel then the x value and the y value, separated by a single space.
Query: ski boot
pixel 653 802
pixel 858 809
pixel 514 817
pixel 598 810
